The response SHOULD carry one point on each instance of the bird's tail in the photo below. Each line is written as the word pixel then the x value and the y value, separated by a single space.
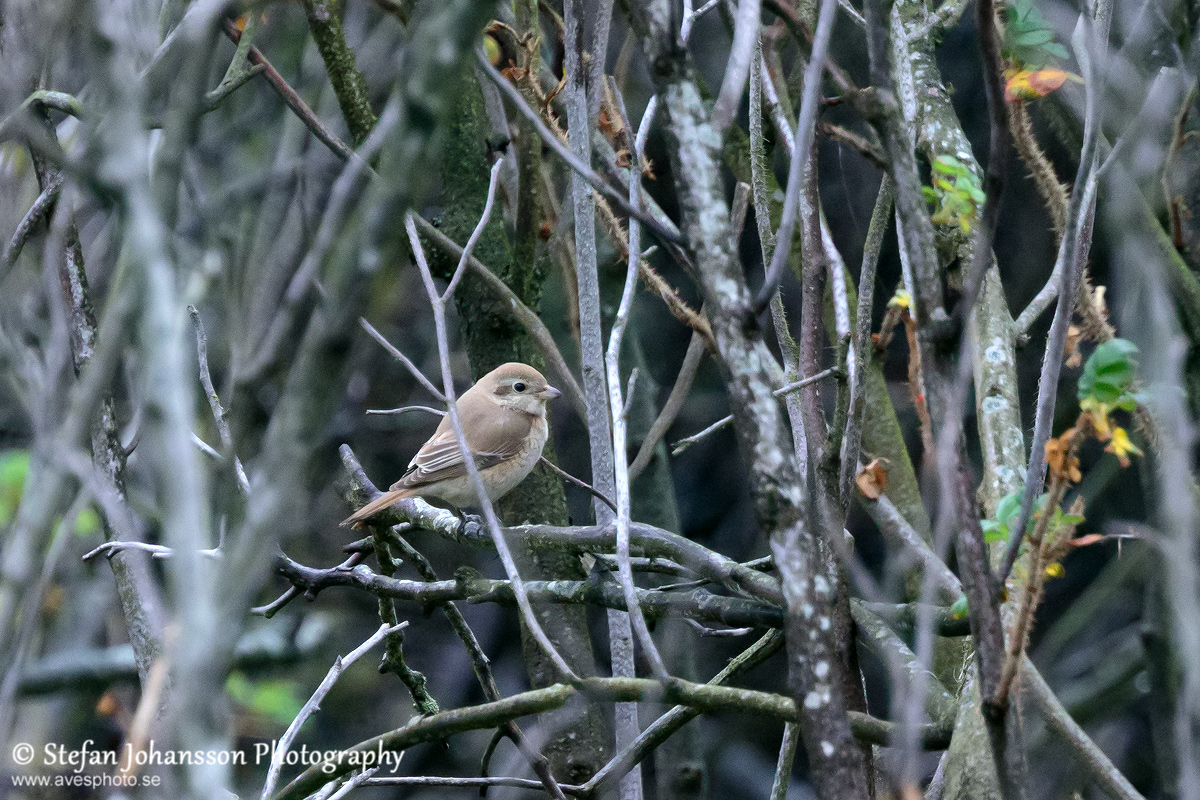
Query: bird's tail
pixel 384 500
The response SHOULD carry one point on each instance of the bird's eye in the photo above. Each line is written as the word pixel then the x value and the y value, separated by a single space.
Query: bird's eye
pixel 518 386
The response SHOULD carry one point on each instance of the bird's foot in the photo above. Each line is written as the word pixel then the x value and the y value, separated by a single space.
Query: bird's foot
pixel 470 526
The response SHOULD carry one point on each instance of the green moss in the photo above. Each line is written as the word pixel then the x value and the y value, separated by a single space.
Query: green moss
pixel 325 24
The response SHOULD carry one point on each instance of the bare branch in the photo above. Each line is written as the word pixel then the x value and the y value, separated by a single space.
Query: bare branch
pixel 403 359
pixel 41 206
pixel 798 173
pixel 671 408
pixel 683 444
pixel 493 183
pixel 562 473
pixel 340 664
pixel 852 436
pixel 405 410
pixel 617 411
pixel 745 35
pixel 214 401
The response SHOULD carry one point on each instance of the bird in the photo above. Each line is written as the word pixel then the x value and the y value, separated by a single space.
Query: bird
pixel 503 418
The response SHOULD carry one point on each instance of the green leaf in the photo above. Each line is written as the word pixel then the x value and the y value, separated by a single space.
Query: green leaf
pixel 949 165
pixel 1034 38
pixel 14 466
pixel 994 532
pixel 1055 49
pixel 1008 507
pixel 276 700
pixel 959 609
pixel 1108 371
pixel 87 522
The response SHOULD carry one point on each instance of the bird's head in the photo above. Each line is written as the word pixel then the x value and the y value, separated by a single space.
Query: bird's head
pixel 519 387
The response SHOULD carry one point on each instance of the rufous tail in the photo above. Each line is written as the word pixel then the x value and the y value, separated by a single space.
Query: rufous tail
pixel 384 500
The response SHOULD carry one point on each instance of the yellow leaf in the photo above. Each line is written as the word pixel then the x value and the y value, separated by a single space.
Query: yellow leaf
pixel 1054 570
pixel 901 299
pixel 1121 447
pixel 491 48
pixel 1098 413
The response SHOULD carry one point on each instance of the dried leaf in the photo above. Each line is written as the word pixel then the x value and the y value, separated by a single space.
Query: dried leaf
pixel 1074 357
pixel 872 479
pixel 1059 459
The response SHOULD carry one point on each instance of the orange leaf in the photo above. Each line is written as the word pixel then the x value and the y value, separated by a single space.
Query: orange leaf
pixel 1084 541
pixel 1030 84
pixel 1045 81
pixel 872 479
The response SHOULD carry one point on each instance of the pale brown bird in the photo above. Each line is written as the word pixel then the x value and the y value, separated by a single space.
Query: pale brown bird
pixel 503 419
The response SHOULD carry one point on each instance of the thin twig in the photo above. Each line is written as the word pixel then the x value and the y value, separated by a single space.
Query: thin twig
pixel 340 664
pixel 685 27
pixel 460 270
pixel 798 173
pixel 109 549
pixel 718 632
pixel 671 408
pixel 403 359
pixel 583 170
pixel 354 782
pixel 683 444
pixel 783 767
pixel 405 410
pixel 852 436
pixel 292 98
pixel 587 487
pixel 214 401
pixel 612 364
pixel 41 206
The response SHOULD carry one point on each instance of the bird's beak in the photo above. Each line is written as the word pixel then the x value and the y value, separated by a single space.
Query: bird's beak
pixel 549 393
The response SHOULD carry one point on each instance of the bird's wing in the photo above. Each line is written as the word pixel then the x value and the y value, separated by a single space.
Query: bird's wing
pixel 493 435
